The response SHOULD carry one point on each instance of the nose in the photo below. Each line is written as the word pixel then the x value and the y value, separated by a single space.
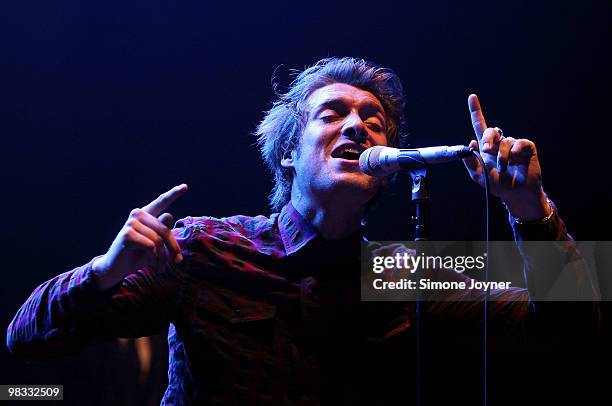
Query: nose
pixel 354 128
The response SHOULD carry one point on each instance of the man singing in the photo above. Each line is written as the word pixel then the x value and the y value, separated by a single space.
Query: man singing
pixel 267 310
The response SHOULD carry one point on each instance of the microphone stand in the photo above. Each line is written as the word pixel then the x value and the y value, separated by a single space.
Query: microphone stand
pixel 420 196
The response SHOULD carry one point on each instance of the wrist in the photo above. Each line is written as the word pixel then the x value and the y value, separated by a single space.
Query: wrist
pixel 531 210
pixel 102 279
pixel 98 266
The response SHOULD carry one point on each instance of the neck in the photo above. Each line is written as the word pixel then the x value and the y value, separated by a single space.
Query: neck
pixel 333 220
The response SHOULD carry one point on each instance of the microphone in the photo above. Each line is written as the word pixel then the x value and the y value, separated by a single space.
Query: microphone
pixel 382 161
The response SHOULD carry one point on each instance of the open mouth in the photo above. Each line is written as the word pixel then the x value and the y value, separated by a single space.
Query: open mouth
pixel 348 152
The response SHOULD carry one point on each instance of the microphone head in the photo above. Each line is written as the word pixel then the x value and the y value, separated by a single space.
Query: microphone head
pixel 369 162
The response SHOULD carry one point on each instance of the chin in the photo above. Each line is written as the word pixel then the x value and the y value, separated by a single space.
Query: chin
pixel 359 184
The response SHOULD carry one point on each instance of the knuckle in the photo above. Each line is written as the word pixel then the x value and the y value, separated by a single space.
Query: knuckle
pixel 492 130
pixel 506 144
pixel 523 144
pixel 140 214
pixel 129 233
pixel 135 212
pixel 489 133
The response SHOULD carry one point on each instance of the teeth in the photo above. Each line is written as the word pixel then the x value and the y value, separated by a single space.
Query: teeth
pixel 349 152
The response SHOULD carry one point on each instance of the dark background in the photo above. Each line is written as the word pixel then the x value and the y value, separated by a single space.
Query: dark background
pixel 103 106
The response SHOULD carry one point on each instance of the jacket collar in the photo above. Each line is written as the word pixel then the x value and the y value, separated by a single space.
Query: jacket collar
pixel 295 231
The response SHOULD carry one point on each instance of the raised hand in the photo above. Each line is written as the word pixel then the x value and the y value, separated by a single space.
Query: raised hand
pixel 512 166
pixel 144 240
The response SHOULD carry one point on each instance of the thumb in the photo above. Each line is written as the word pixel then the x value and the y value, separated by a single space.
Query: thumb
pixel 166 219
pixel 471 163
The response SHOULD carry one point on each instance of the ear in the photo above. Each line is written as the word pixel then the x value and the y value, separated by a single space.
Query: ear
pixel 288 159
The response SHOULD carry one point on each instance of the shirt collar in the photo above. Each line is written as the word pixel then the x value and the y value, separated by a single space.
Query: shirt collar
pixel 294 230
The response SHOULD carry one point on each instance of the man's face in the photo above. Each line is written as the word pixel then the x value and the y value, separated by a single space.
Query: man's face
pixel 342 121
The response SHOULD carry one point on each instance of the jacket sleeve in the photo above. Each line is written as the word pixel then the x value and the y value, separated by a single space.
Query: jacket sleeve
pixel 553 267
pixel 563 290
pixel 67 312
pixel 554 271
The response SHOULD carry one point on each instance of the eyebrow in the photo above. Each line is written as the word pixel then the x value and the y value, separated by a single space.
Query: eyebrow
pixel 334 101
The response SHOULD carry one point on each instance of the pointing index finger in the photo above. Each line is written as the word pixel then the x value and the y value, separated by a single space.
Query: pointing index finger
pixel 159 205
pixel 478 120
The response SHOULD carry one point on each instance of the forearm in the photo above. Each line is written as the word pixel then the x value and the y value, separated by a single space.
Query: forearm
pixel 44 325
pixel 69 311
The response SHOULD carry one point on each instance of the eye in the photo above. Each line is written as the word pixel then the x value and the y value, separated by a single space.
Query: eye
pixel 328 118
pixel 328 115
pixel 374 125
